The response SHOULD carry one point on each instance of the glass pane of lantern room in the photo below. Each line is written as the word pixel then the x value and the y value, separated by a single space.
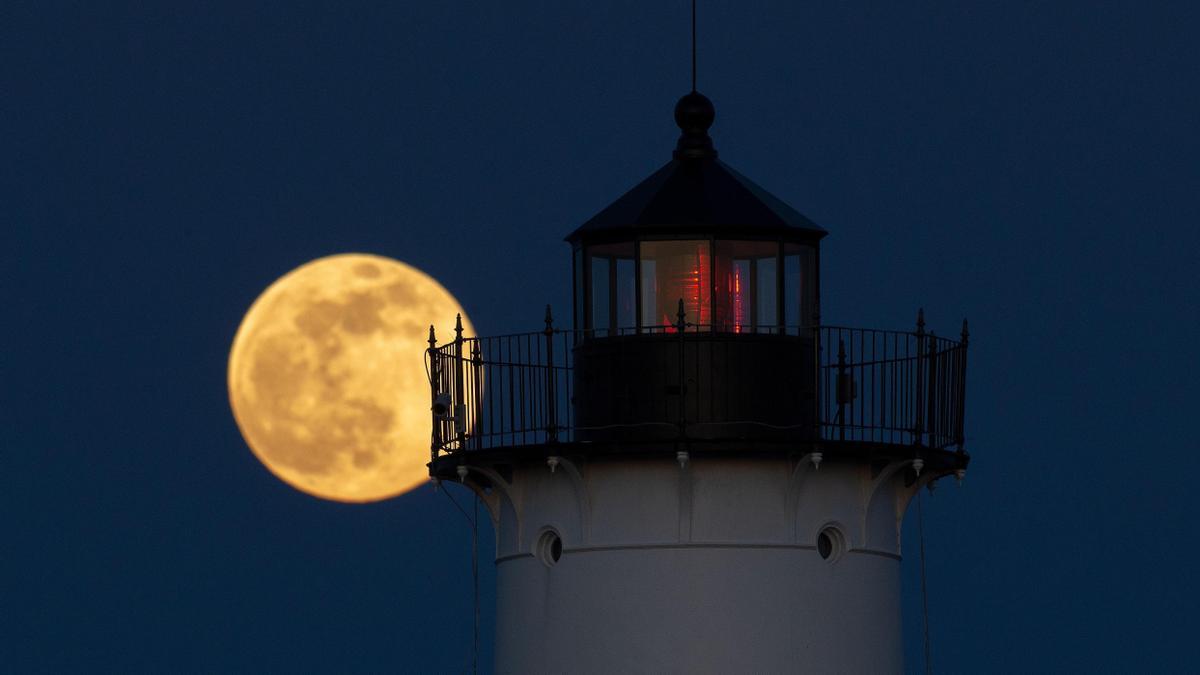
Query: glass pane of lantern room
pixel 626 294
pixel 674 271
pixel 799 287
pixel 766 295
pixel 601 295
pixel 611 288
pixel 577 264
pixel 747 286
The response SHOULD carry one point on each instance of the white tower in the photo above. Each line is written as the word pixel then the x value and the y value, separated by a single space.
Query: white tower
pixel 699 477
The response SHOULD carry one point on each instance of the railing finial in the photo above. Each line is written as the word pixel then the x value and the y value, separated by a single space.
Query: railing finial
pixel 682 316
pixel 965 333
pixel 460 426
pixel 432 338
pixel 921 321
pixel 549 321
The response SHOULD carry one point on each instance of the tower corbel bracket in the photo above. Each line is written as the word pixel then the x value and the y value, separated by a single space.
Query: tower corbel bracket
pixel 500 487
pixel 584 501
pixel 807 463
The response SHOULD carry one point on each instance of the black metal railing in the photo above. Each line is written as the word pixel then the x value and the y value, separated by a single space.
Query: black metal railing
pixel 500 391
pixel 891 387
pixel 872 386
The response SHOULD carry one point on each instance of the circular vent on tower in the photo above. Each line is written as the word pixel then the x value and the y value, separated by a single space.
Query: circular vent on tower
pixel 830 543
pixel 549 547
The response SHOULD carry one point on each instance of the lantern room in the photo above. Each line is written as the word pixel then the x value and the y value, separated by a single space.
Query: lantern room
pixel 699 240
pixel 700 253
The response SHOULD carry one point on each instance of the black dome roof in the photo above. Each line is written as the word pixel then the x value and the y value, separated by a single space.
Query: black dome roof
pixel 697 194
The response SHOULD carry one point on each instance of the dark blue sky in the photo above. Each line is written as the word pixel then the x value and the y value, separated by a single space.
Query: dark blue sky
pixel 1032 166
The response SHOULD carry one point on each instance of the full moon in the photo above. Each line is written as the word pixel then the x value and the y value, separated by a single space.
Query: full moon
pixel 327 375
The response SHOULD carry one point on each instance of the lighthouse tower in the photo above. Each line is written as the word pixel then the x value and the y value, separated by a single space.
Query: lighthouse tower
pixel 697 476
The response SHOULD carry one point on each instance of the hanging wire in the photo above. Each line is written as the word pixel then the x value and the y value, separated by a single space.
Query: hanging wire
pixel 475 577
pixel 924 591
pixel 693 45
pixel 474 523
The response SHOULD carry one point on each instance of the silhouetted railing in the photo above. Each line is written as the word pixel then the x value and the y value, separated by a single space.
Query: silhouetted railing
pixel 870 386
pixel 500 391
pixel 891 387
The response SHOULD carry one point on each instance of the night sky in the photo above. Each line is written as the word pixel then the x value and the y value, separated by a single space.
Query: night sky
pixel 1031 166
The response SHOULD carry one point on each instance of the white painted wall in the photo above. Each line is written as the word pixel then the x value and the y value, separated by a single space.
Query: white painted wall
pixel 711 568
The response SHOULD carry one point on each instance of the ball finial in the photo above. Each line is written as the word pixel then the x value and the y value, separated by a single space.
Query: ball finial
pixel 694 114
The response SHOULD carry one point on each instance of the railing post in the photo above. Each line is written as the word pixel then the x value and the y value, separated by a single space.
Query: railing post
pixel 919 376
pixel 477 392
pixel 932 428
pixel 838 389
pixel 460 408
pixel 962 386
pixel 551 398
pixel 435 442
pixel 680 326
pixel 818 391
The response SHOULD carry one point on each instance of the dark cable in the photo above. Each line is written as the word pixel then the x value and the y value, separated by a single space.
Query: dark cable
pixel 474 523
pixel 455 502
pixel 475 576
pixel 924 592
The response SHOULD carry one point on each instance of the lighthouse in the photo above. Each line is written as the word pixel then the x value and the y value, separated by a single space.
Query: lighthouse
pixel 690 473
